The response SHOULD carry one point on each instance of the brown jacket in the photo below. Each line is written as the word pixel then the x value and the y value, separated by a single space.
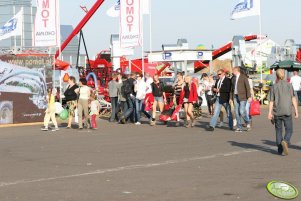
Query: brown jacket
pixel 243 87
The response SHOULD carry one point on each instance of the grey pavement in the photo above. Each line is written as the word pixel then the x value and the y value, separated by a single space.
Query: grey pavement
pixel 128 163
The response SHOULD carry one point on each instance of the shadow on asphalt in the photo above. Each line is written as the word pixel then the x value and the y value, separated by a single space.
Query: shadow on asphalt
pixel 269 142
pixel 253 146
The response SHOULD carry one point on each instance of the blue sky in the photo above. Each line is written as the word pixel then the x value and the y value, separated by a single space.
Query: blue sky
pixel 199 21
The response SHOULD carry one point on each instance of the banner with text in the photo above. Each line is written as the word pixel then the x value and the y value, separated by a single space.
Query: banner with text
pixel 130 23
pixel 23 88
pixel 46 30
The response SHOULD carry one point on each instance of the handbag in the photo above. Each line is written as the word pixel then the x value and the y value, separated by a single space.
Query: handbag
pixel 255 108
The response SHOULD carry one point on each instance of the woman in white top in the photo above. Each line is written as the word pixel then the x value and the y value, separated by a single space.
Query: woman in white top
pixel 83 103
pixel 141 91
pixel 208 84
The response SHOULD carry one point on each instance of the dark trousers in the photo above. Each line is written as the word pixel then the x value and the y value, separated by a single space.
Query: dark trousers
pixel 287 121
pixel 122 106
pixel 209 102
pixel 140 108
pixel 114 105
pixel 299 97
pixel 129 112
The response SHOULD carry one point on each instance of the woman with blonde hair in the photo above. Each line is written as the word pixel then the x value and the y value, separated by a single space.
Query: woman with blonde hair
pixel 50 111
pixel 189 96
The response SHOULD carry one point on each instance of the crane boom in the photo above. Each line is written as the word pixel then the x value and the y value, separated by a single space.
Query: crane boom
pixel 80 25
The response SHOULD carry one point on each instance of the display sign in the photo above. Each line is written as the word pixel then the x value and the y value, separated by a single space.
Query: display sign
pixel 46 29
pixel 23 88
pixel 130 23
pixel 180 55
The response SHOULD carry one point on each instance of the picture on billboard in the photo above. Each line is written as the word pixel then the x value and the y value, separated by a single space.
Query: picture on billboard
pixel 23 82
pixel 6 112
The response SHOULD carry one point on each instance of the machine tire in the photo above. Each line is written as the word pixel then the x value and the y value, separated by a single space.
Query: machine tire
pixel 6 112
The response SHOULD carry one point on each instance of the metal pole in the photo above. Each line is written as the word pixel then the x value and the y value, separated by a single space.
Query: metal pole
pixel 85 48
pixel 31 22
pixel 142 38
pixel 59 43
pixel 260 49
pixel 23 32
pixel 78 48
pixel 15 37
pixel 150 27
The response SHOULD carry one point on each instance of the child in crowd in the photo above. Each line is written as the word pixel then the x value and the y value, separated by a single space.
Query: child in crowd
pixel 50 111
pixel 94 110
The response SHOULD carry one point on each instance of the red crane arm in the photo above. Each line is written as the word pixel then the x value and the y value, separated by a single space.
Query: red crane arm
pixel 81 24
pixel 221 51
pixel 228 47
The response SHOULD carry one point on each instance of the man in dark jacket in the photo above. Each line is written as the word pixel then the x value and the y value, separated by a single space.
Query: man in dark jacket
pixel 222 89
pixel 128 92
pixel 241 94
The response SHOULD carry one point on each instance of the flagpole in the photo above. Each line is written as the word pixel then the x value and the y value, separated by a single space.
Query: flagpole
pixel 15 37
pixel 260 48
pixel 22 33
pixel 142 40
pixel 150 26
pixel 59 42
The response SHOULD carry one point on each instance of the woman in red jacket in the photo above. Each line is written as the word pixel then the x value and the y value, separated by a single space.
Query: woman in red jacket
pixel 189 96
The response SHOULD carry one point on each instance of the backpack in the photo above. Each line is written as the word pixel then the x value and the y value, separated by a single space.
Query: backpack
pixel 126 89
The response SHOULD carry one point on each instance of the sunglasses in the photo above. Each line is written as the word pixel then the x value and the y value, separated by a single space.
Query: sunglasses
pixel 219 74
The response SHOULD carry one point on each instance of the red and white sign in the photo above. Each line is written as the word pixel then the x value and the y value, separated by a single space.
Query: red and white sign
pixel 130 23
pixel 46 30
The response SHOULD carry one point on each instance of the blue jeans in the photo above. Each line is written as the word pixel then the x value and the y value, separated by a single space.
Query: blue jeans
pixel 248 106
pixel 240 111
pixel 288 125
pixel 129 112
pixel 140 108
pixel 122 106
pixel 217 110
pixel 114 105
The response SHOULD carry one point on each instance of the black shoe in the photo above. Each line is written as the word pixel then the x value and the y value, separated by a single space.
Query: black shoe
pixel 280 149
pixel 210 128
pixel 122 121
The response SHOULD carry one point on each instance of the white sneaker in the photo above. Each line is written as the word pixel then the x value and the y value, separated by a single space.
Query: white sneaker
pixel 221 124
pixel 137 123
pixel 248 127
pixel 44 129
pixel 238 130
pixel 55 129
pixel 234 122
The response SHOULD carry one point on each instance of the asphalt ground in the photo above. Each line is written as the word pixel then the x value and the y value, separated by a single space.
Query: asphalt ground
pixel 128 163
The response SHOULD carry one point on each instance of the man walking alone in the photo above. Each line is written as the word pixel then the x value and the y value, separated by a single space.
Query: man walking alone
pixel 282 100
pixel 241 94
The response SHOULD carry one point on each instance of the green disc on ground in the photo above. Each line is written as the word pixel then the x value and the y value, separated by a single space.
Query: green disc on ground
pixel 282 190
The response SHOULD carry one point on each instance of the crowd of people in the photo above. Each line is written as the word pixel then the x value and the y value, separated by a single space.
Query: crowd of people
pixel 227 95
